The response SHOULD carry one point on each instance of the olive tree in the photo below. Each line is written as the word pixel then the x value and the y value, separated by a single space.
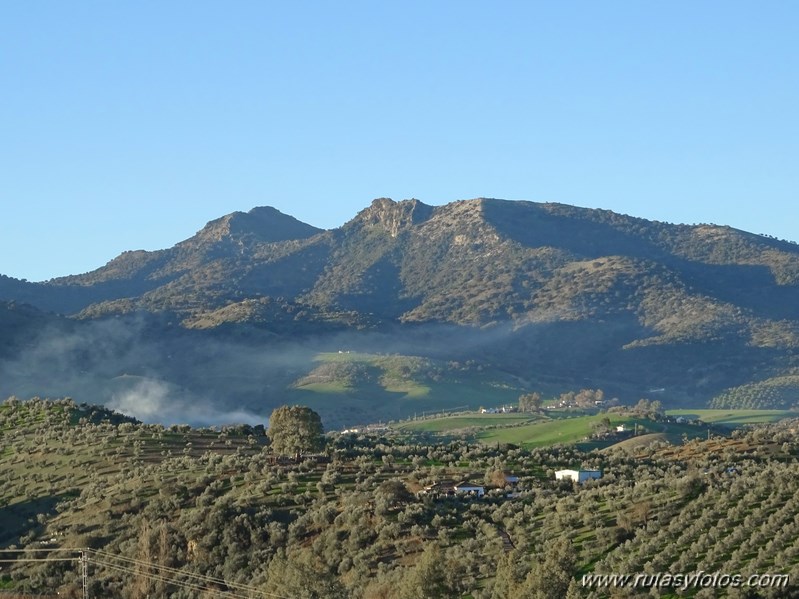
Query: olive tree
pixel 294 430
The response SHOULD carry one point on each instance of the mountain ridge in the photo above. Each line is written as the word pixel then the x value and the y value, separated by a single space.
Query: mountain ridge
pixel 410 262
pixel 581 294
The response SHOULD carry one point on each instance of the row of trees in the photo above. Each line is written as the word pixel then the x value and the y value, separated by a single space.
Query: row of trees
pixel 591 398
pixel 585 398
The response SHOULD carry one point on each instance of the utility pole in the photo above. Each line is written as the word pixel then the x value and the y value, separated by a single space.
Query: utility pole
pixel 84 562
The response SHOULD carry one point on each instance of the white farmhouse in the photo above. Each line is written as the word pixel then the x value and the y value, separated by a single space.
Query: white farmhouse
pixel 579 476
pixel 467 488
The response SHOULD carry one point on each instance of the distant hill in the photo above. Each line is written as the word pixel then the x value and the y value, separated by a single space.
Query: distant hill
pixel 559 296
pixel 19 322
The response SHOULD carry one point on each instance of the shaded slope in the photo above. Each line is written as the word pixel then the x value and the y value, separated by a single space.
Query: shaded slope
pixel 560 296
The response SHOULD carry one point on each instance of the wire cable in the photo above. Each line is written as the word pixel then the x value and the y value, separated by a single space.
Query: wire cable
pixel 170 581
pixel 43 549
pixel 165 574
pixel 39 559
pixel 179 572
pixel 183 573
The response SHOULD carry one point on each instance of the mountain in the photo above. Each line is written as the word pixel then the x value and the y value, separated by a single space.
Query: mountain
pixel 555 295
pixel 19 321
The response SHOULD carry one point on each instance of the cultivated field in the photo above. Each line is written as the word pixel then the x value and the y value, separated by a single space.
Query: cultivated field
pixel 568 428
pixel 735 417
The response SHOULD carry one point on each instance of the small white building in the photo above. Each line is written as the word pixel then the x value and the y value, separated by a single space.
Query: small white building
pixel 579 476
pixel 467 488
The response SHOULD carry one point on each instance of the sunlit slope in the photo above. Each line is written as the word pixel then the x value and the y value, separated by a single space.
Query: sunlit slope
pixel 397 386
pixel 565 428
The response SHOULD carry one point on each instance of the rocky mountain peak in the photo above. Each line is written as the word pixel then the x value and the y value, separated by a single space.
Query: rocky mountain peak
pixel 393 216
pixel 264 223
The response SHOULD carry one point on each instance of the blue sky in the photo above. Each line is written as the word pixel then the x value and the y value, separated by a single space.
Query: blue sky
pixel 128 125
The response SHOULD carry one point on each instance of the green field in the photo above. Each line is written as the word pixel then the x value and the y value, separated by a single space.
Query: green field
pixel 379 387
pixel 451 423
pixel 349 388
pixel 735 417
pixel 564 428
pixel 520 429
pixel 550 432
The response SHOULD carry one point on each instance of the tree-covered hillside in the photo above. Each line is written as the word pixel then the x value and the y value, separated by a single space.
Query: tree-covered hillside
pixel 474 261
pixel 185 512
pixel 557 296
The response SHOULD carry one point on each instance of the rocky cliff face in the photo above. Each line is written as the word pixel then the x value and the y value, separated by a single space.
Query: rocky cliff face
pixel 392 217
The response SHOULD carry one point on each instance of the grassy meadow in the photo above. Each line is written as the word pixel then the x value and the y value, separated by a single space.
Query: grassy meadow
pixel 469 421
pixel 383 387
pixel 734 418
pixel 570 428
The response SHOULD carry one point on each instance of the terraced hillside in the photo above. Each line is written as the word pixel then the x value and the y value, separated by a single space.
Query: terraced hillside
pixel 170 510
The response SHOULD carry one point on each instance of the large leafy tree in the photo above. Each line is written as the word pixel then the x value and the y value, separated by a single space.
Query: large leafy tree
pixel 295 430
pixel 530 402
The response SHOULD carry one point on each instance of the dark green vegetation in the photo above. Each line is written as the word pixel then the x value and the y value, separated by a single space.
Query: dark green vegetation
pixel 182 502
pixel 774 392
pixel 295 430
pixel 533 297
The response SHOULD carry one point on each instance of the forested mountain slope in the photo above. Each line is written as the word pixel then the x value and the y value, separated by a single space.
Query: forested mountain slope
pixel 554 294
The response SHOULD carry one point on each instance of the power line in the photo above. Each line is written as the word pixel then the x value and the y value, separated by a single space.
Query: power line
pixel 142 568
pixel 42 549
pixel 49 550
pixel 178 572
pixel 171 581
pixel 39 559
pixel 168 569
